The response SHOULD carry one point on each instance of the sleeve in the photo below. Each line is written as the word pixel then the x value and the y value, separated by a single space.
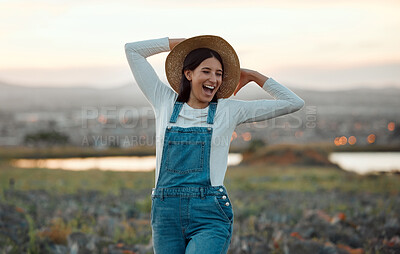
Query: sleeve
pixel 285 102
pixel 152 87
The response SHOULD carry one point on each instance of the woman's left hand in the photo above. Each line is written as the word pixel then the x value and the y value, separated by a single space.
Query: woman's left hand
pixel 247 76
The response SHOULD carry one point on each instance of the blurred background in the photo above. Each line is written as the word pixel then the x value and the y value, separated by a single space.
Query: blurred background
pixel 77 137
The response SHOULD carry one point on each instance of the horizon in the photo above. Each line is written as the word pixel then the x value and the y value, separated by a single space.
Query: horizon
pixel 134 84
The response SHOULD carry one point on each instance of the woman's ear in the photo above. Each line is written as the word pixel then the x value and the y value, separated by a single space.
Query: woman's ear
pixel 188 75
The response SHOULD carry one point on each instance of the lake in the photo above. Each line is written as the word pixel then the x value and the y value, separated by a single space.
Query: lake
pixel 366 162
pixel 359 162
pixel 114 163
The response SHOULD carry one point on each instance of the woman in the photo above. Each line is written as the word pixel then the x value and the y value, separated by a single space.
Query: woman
pixel 191 209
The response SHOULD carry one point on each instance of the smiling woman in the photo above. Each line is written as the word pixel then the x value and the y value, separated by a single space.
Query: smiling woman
pixel 191 210
pixel 202 77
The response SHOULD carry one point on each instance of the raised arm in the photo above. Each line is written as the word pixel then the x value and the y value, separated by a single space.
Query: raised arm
pixel 145 76
pixel 247 76
pixel 252 111
pixel 174 42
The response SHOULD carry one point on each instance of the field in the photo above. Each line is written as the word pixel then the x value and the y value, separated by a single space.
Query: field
pixel 277 209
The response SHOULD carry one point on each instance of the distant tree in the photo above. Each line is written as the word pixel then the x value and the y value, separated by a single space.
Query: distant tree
pixel 46 138
pixel 255 144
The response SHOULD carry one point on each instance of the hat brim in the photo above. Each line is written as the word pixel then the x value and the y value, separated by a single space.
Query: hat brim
pixel 174 62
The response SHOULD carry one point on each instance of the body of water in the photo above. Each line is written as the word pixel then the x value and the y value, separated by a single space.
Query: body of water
pixel 121 163
pixel 359 162
pixel 367 162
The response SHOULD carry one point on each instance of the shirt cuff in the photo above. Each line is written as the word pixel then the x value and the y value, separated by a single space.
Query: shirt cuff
pixel 165 43
pixel 268 82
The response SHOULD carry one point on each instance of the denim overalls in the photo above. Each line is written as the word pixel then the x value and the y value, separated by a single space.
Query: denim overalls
pixel 188 215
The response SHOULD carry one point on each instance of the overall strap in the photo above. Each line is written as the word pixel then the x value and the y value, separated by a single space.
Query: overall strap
pixel 175 113
pixel 212 108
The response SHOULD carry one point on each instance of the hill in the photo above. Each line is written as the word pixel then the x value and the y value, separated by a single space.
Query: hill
pixel 22 98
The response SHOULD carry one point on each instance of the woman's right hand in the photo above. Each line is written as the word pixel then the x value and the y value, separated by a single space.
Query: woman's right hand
pixel 174 42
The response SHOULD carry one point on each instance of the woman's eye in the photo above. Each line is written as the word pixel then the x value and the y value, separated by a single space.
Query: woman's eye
pixel 206 72
pixel 219 74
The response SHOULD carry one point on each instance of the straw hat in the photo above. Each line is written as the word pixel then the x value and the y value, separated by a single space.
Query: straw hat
pixel 174 62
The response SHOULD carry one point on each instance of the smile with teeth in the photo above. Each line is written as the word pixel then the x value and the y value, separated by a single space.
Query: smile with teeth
pixel 208 90
pixel 210 87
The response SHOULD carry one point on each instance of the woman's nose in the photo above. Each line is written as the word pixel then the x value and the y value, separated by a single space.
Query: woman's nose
pixel 213 78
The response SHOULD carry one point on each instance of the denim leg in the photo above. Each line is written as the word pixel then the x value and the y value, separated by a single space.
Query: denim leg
pixel 210 228
pixel 208 242
pixel 166 226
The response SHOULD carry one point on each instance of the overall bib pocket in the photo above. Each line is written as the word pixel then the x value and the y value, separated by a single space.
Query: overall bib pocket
pixel 184 157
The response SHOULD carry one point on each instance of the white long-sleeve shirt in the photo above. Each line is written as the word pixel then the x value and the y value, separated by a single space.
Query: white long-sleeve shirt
pixel 229 114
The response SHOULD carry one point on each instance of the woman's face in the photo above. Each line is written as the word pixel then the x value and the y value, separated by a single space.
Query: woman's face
pixel 205 80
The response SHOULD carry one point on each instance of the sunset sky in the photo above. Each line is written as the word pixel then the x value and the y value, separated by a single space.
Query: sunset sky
pixel 310 44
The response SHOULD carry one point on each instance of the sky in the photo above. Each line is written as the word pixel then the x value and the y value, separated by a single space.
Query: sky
pixel 310 44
